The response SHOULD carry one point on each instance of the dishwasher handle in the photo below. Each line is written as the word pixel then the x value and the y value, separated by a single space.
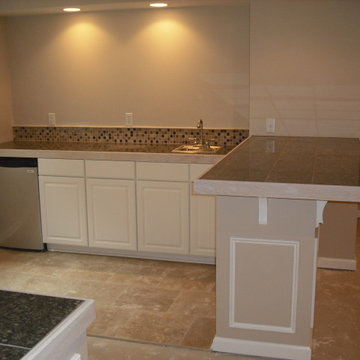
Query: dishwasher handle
pixel 16 162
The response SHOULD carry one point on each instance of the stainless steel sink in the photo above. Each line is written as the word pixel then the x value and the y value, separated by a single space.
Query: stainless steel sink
pixel 197 149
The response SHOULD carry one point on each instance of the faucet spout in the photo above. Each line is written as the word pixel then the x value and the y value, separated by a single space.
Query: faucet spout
pixel 200 126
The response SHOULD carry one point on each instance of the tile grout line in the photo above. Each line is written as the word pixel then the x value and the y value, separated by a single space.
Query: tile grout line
pixel 148 343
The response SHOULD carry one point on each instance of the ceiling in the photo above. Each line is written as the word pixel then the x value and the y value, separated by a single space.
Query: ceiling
pixel 34 7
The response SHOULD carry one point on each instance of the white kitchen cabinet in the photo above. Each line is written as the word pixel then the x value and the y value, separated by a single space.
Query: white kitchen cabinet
pixel 163 216
pixel 111 213
pixel 133 208
pixel 63 210
pixel 202 217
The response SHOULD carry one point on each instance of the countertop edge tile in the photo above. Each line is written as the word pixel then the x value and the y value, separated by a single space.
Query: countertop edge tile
pixel 232 177
pixel 9 150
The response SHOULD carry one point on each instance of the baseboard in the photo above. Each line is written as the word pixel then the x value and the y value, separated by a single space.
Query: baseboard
pixel 336 264
pixel 258 348
pixel 132 254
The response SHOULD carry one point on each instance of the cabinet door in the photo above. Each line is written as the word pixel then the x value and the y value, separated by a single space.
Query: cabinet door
pixel 111 213
pixel 202 217
pixel 63 210
pixel 163 217
pixel 202 230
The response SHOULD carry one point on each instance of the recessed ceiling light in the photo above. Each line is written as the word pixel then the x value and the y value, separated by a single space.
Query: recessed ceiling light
pixel 73 9
pixel 158 4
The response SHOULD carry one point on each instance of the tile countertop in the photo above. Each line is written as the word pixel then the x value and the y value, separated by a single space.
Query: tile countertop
pixel 288 167
pixel 107 151
pixel 26 319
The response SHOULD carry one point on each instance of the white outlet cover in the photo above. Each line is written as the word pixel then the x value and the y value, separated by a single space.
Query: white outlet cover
pixel 270 125
pixel 51 118
pixel 129 120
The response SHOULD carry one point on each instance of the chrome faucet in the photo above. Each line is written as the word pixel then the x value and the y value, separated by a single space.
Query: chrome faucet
pixel 200 126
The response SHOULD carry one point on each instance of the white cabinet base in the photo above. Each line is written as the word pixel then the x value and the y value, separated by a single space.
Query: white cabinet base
pixel 132 254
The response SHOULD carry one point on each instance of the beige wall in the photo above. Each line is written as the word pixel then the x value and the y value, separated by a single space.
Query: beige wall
pixel 305 67
pixel 171 67
pixel 5 88
pixel 168 67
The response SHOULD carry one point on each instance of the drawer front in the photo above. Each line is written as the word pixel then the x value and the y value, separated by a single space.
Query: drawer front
pixel 197 170
pixel 61 167
pixel 110 169
pixel 162 171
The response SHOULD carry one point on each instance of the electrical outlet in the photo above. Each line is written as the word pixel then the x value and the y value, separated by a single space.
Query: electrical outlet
pixel 270 125
pixel 52 119
pixel 129 119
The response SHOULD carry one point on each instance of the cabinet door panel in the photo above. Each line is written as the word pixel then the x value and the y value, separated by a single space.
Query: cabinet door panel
pixel 202 219
pixel 202 232
pixel 111 213
pixel 163 217
pixel 63 210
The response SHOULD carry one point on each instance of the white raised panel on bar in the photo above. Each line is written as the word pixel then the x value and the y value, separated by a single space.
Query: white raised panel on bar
pixel 273 265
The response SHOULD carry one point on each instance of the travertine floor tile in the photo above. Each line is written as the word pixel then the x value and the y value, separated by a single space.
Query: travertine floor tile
pixel 107 349
pixel 146 298
pixel 173 303
pixel 186 284
pixel 109 320
pixel 10 279
pixel 132 280
pixel 162 328
pixel 337 315
pixel 190 277
pixel 201 333
pixel 195 303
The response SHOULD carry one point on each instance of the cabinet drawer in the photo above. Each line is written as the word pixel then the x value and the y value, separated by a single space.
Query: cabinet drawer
pixel 61 167
pixel 162 171
pixel 110 169
pixel 196 170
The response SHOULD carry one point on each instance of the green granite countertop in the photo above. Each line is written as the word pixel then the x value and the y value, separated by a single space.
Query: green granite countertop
pixel 25 319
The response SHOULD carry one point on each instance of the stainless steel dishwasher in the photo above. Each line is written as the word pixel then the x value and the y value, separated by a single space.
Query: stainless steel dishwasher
pixel 20 225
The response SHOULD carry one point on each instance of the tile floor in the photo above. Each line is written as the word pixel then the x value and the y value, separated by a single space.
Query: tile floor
pixel 162 310
pixel 153 301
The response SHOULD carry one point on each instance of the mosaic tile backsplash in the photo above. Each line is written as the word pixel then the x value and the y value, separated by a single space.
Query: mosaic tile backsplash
pixel 132 135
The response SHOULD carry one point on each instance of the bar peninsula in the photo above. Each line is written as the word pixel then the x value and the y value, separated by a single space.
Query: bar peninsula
pixel 270 196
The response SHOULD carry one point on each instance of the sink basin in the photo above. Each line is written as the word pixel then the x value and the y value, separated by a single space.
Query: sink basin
pixel 196 149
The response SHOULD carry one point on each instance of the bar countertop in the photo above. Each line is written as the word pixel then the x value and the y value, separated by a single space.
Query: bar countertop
pixel 288 167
